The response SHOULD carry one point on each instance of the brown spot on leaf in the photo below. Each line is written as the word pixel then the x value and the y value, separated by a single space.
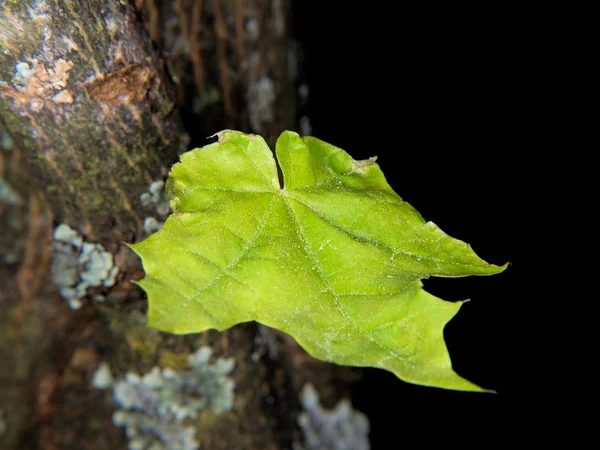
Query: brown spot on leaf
pixel 361 165
pixel 130 84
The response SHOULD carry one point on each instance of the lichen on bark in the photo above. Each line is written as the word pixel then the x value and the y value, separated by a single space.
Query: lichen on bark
pixel 87 100
pixel 91 107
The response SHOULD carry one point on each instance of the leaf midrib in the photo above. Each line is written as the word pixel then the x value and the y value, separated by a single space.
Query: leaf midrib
pixel 329 287
pixel 376 243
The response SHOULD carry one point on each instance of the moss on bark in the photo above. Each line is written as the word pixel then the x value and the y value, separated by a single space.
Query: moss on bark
pixel 87 99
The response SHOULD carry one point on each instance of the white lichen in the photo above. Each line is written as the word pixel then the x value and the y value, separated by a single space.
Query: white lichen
pixel 22 74
pixel 111 25
pixel 261 103
pixel 342 428
pixel 265 344
pixel 102 377
pixel 252 29
pixel 79 265
pixel 156 197
pixel 303 92
pixel 305 127
pixel 151 225
pixel 155 409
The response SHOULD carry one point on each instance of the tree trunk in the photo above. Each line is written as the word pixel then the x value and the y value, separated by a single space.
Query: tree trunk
pixel 91 96
pixel 88 101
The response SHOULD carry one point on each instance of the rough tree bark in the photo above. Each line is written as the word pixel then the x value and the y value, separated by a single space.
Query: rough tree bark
pixel 90 96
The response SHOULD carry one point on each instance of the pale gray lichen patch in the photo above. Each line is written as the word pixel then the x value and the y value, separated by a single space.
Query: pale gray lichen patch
pixel 305 127
pixel 157 409
pixel 157 199
pixel 151 225
pixel 261 103
pixel 265 343
pixel 102 377
pixel 342 428
pixel 252 29
pixel 303 92
pixel 22 74
pixel 79 265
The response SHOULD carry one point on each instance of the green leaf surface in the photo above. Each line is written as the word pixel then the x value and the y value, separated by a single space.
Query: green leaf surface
pixel 335 258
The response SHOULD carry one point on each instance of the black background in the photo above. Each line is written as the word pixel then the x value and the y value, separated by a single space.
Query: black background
pixel 434 94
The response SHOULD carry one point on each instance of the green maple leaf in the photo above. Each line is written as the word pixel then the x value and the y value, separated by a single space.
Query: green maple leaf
pixel 335 258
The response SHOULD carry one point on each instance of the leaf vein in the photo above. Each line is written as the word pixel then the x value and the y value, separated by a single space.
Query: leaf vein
pixel 185 300
pixel 330 289
pixel 241 191
pixel 225 271
pixel 366 239
pixel 253 163
pixel 244 252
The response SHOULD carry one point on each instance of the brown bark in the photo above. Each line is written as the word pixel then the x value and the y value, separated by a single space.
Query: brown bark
pixel 93 120
pixel 87 99
pixel 226 47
